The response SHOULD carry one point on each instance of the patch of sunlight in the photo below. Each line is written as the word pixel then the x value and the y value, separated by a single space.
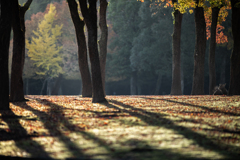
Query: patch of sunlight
pixel 126 137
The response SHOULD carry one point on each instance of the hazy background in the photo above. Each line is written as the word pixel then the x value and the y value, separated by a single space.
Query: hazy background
pixel 139 44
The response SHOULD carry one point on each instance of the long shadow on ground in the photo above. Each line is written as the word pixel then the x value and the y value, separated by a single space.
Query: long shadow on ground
pixel 19 134
pixel 145 152
pixel 154 119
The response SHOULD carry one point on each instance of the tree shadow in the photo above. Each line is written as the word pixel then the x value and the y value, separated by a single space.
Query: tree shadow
pixel 17 133
pixel 144 152
pixel 197 106
pixel 154 119
pixel 53 128
pixel 135 153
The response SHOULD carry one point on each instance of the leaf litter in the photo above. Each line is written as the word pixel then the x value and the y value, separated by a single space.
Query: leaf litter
pixel 126 127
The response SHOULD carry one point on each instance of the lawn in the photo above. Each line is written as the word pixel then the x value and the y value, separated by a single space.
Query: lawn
pixel 127 127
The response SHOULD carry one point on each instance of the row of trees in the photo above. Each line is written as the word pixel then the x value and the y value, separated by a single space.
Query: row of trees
pixel 135 48
pixel 148 34
pixel 200 45
pixel 37 52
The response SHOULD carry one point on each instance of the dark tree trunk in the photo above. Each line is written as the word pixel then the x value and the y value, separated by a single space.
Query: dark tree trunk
pixel 57 85
pixel 211 60
pixel 199 52
pixel 176 54
pixel 234 88
pixel 82 49
pixel 103 39
pixel 18 25
pixel 5 29
pixel 89 12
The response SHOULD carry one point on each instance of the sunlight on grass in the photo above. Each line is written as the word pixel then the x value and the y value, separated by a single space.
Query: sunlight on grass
pixel 137 127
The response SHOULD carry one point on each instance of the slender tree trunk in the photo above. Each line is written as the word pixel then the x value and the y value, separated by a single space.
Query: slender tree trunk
pixel 176 54
pixel 211 60
pixel 5 29
pixel 158 84
pixel 44 82
pixel 234 88
pixel 103 39
pixel 133 82
pixel 56 86
pixel 18 25
pixel 89 13
pixel 82 49
pixel 199 52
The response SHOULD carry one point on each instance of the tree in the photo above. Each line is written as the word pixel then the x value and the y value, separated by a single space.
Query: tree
pixel 82 49
pixel 234 88
pixel 176 53
pixel 5 29
pixel 43 49
pixel 215 7
pixel 125 19
pixel 89 12
pixel 18 25
pixel 103 39
pixel 199 52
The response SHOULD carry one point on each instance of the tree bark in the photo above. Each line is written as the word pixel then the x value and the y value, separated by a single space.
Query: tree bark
pixel 18 25
pixel 89 12
pixel 176 54
pixel 82 49
pixel 5 29
pixel 211 60
pixel 199 52
pixel 234 88
pixel 103 39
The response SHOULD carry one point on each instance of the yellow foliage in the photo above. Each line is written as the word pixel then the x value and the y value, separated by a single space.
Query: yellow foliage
pixel 43 49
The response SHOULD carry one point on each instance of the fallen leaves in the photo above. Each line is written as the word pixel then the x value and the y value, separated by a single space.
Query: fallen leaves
pixel 71 126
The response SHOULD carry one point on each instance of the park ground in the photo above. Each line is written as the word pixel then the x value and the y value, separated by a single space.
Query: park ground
pixel 125 127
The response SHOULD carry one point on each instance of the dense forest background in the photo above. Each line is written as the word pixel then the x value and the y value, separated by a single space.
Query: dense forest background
pixel 139 58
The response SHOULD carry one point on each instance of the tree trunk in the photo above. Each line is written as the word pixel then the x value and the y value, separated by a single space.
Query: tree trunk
pixel 199 52
pixel 90 17
pixel 158 84
pixel 176 54
pixel 211 60
pixel 57 84
pixel 44 82
pixel 103 39
pixel 18 25
pixel 133 82
pixel 234 88
pixel 5 29
pixel 82 49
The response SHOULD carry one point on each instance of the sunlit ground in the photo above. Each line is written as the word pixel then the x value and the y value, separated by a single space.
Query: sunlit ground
pixel 127 127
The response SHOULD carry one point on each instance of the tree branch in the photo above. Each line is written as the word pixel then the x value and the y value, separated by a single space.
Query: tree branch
pixel 84 8
pixel 26 5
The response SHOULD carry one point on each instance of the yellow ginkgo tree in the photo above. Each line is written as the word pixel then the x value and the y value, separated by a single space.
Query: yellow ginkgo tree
pixel 43 49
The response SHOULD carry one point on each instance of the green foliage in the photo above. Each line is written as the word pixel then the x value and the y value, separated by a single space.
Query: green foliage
pixel 42 48
pixel 124 18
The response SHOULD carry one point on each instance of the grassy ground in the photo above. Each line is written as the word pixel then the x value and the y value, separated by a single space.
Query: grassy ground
pixel 127 127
